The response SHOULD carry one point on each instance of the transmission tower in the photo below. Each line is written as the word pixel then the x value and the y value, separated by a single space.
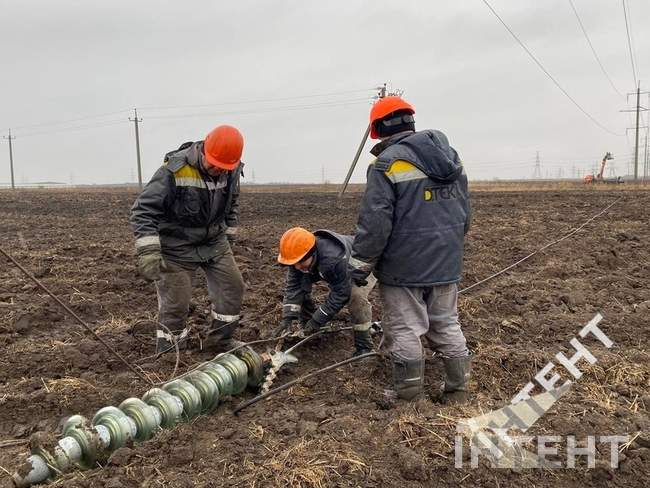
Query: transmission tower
pixel 537 173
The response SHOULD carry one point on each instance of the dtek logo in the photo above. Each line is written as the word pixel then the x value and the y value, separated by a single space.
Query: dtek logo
pixel 435 194
pixel 489 433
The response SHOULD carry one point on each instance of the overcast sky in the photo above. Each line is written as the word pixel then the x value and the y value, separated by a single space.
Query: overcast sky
pixel 247 63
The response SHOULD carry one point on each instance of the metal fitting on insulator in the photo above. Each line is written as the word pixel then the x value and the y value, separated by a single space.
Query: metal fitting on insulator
pixel 188 394
pixel 237 369
pixel 87 440
pixel 121 428
pixel 254 364
pixel 147 418
pixel 169 406
pixel 220 376
pixel 207 388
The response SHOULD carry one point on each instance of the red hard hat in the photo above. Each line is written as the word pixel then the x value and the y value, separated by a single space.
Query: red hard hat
pixel 384 107
pixel 223 147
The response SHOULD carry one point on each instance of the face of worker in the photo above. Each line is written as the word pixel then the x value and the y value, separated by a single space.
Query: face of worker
pixel 213 170
pixel 303 266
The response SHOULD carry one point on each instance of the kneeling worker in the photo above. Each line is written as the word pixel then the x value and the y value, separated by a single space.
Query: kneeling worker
pixel 183 220
pixel 323 255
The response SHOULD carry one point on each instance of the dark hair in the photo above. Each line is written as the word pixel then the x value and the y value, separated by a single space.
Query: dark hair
pixel 394 123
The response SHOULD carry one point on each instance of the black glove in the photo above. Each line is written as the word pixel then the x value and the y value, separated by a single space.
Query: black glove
pixel 360 278
pixel 150 264
pixel 285 325
pixel 311 327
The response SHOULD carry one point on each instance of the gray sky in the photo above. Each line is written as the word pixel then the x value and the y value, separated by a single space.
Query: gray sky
pixel 456 63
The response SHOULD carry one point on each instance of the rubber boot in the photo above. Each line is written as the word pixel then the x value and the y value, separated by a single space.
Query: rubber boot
pixel 220 336
pixel 456 385
pixel 408 377
pixel 165 342
pixel 362 342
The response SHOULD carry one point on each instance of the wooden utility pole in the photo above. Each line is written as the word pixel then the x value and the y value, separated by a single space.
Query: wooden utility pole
pixel 136 121
pixel 11 159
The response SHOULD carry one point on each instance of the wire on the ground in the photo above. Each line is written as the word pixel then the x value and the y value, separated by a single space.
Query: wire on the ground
pixel 76 317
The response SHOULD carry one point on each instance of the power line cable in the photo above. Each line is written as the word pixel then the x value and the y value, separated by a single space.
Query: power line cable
pixel 62 122
pixel 546 72
pixel 341 103
pixel 74 128
pixel 263 100
pixel 629 43
pixel 593 50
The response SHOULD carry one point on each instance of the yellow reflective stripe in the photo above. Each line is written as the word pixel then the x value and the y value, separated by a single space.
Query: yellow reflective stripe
pixel 402 170
pixel 187 171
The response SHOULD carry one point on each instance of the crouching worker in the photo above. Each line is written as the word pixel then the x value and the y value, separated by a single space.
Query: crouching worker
pixel 324 255
pixel 183 220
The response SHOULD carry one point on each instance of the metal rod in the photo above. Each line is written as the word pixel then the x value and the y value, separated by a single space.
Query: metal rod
pixel 258 398
pixel 77 318
pixel 354 161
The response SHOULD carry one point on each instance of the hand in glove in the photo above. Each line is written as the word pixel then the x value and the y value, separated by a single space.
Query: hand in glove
pixel 150 264
pixel 285 326
pixel 231 234
pixel 311 327
pixel 359 277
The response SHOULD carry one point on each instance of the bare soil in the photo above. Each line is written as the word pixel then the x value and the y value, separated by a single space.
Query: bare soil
pixel 333 430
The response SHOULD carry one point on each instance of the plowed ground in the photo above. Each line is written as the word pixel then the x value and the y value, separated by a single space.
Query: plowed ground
pixel 330 431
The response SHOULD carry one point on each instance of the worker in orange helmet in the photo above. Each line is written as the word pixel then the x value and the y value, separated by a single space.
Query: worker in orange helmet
pixel 184 219
pixel 323 255
pixel 410 234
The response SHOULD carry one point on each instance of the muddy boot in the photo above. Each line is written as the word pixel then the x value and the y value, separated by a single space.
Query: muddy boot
pixel 362 342
pixel 165 342
pixel 408 378
pixel 220 336
pixel 457 372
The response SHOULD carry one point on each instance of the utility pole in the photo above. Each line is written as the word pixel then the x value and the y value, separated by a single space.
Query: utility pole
pixel 382 93
pixel 136 121
pixel 322 173
pixel 11 159
pixel 537 173
pixel 638 110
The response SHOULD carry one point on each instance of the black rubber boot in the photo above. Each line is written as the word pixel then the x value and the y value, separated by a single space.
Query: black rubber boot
pixel 457 374
pixel 408 377
pixel 165 341
pixel 220 336
pixel 362 342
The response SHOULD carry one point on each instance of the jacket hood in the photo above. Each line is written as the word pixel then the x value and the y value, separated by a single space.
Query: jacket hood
pixel 429 150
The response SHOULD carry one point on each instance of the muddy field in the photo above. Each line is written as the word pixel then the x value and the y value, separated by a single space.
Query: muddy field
pixel 331 431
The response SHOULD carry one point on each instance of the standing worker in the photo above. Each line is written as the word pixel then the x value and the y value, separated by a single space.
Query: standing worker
pixel 410 233
pixel 183 220
pixel 311 257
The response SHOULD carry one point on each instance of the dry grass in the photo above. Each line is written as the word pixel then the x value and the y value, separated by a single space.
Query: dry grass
pixel 304 463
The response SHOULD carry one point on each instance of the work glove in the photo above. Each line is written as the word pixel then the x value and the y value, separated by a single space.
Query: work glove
pixel 311 327
pixel 359 277
pixel 150 264
pixel 285 325
pixel 231 234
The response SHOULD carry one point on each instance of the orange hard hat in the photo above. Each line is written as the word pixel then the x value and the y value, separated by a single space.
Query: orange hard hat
pixel 223 147
pixel 295 244
pixel 384 107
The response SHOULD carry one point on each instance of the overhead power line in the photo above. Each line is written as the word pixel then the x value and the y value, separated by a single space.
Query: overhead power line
pixel 629 42
pixel 266 110
pixel 74 128
pixel 593 50
pixel 259 100
pixel 546 72
pixel 69 121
